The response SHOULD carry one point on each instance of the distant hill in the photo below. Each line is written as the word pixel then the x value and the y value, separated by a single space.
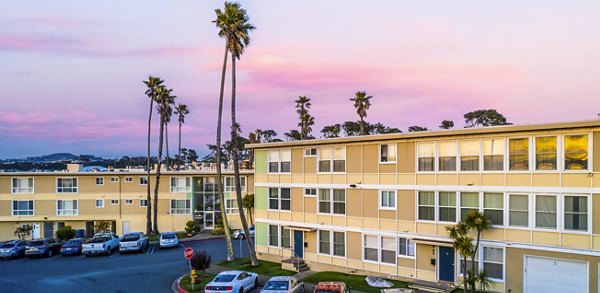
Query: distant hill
pixel 58 157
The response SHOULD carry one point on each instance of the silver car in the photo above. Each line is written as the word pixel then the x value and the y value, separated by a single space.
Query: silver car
pixel 134 241
pixel 283 284
pixel 168 239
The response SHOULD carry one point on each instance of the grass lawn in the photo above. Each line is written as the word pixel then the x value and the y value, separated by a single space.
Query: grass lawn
pixel 185 282
pixel 356 282
pixel 264 268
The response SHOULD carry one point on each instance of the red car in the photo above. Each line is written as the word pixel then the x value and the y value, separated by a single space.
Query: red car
pixel 72 247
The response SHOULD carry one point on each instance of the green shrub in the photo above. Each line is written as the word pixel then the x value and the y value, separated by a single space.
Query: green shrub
pixel 65 233
pixel 218 231
pixel 23 232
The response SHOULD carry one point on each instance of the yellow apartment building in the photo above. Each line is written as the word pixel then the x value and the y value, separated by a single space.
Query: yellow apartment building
pixel 380 204
pixel 47 201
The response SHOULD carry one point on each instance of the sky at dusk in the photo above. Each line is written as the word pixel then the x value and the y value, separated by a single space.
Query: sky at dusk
pixel 71 71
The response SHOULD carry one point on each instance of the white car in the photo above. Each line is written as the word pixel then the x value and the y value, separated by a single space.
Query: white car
pixel 232 281
pixel 283 284
pixel 168 239
pixel 240 234
pixel 133 241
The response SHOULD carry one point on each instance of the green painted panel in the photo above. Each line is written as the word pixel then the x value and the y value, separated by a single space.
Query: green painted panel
pixel 260 197
pixel 260 233
pixel 260 161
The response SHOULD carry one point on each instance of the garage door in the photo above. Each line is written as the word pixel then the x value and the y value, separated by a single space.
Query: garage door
pixel 554 275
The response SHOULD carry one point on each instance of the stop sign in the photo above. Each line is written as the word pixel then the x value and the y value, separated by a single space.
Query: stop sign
pixel 188 253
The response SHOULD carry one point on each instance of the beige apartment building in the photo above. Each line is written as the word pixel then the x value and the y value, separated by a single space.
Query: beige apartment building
pixel 49 200
pixel 380 204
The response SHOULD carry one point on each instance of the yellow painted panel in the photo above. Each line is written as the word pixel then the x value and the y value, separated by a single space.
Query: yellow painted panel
pixel 576 180
pixel 492 179
pixel 406 227
pixel 405 179
pixel 283 216
pixel 353 165
pixel 576 240
pixel 354 222
pixel 261 214
pixel 370 204
pixel 338 221
pixel 447 179
pixel 310 205
pixel 273 215
pixel 441 229
pixel 354 243
pixel 406 205
pixel 324 220
pixel 311 240
pixel 353 178
pixel 425 179
pixel 310 165
pixel 371 178
pixel 262 249
pixel 426 228
pixel 546 180
pixel 261 178
pixel 273 178
pixel 370 158
pixel 387 169
pixel 406 262
pixel 354 264
pixel 297 160
pixel 547 238
pixel 406 157
pixel 387 225
pixel 5 184
pixel 596 177
pixel 596 242
pixel 405 272
pixel 297 195
pixel 338 262
pixel 311 257
pixel 285 178
pixel 324 259
pixel 391 270
pixel 387 179
pixel 310 178
pixel 297 178
pixel 354 208
pixel 297 217
pixel 518 179
pixel 596 218
pixel 469 179
pixel 387 214
pixel 494 234
pixel 371 267
pixel 274 250
pixel 311 218
pixel 324 179
pixel 370 223
pixel 426 275
pixel 596 151
pixel 497 287
pixel 521 236
pixel 338 179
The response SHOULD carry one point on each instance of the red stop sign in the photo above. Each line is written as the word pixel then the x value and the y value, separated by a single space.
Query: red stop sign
pixel 188 253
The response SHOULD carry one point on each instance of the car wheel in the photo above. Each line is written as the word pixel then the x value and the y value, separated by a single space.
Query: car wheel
pixel 302 289
pixel 108 251
pixel 241 290
pixel 255 283
pixel 49 254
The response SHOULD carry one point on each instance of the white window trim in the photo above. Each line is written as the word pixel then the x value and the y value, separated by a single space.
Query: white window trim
pixel 114 202
pixel 504 208
pixel 76 210
pixel 558 212
pixel 435 155
pixel 278 245
pixel 311 156
pixel 179 214
pixel 589 150
pixel 331 243
pixel 530 151
pixel 331 161
pixel 480 261
pixel 128 179
pixel 559 154
pixel 130 202
pixel 434 206
pixel 381 207
pixel 456 156
pixel 143 206
pixel 437 207
pixel 12 210
pixel 143 177
pixel 331 201
pixel 589 214
pixel 96 203
pixel 530 217
pixel 278 199
pixel 379 249
pixel 61 192
pixel 185 187
pixel 479 155
pixel 227 188
pixel 395 154
pixel 398 247
pixel 279 161
pixel 311 195
pixel 99 178
pixel 231 210
pixel 504 156
pixel 12 187
pixel 114 179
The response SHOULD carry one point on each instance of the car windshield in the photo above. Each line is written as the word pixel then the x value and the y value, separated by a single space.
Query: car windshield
pixel 131 237
pixel 276 285
pixel 168 236
pixel 99 240
pixel 224 278
pixel 7 245
pixel 72 242
pixel 36 243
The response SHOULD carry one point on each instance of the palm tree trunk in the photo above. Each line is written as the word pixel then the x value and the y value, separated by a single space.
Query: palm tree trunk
pixel 464 265
pixel 148 167
pixel 179 148
pixel 167 145
pixel 230 255
pixel 236 166
pixel 156 185
pixel 473 287
pixel 362 126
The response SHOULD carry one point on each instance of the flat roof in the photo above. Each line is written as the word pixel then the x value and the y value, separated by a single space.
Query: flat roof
pixel 430 134
pixel 126 173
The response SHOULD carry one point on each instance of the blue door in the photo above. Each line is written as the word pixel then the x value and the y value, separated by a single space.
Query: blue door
pixel 298 244
pixel 446 264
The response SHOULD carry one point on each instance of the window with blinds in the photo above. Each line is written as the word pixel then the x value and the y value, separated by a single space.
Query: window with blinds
pixel 493 207
pixel 469 155
pixel 469 202
pixel 545 211
pixel 447 156
pixel 447 206
pixel 426 154
pixel 518 154
pixel 493 154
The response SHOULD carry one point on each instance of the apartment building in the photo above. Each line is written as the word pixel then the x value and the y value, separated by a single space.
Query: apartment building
pixel 47 201
pixel 380 204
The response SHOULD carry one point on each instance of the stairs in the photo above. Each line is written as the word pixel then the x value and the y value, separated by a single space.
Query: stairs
pixel 430 287
pixel 296 263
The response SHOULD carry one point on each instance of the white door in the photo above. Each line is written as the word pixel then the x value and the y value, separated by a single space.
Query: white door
pixel 209 220
pixel 555 275
pixel 35 231
pixel 125 227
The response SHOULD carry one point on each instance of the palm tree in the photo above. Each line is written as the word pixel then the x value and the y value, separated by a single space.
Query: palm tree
pixel 249 205
pixel 478 222
pixel 306 120
pixel 153 83
pixel 362 103
pixel 181 110
pixel 165 110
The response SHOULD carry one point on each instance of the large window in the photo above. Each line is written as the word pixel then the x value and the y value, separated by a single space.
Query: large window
pixel 447 156
pixel 493 154
pixel 518 154
pixel 181 184
pixel 447 206
pixel 426 154
pixel 387 199
pixel 371 251
pixel 66 208
pixel 285 238
pixel 469 155
pixel 230 184
pixel 406 247
pixel 335 204
pixel 545 211
pixel 493 262
pixel 324 242
pixel 493 207
pixel 22 208
pixel 545 153
pixel 576 152
pixel 231 206
pixel 576 213
pixel 339 244
pixel 387 153
pixel 427 205
pixel 469 202
pixel 180 207
pixel 388 250
pixel 274 235
pixel 326 238
pixel 66 185
pixel 518 210
pixel 22 185
pixel 280 161
pixel 339 159
pixel 332 159
pixel 280 199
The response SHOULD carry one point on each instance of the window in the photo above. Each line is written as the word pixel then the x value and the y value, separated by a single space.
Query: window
pixel 339 160
pixel 427 205
pixel 66 185
pixel 230 184
pixel 99 203
pixel 286 161
pixel 387 153
pixel 143 203
pixel 426 153
pixel 337 205
pixel 181 184
pixel 231 206
pixel 324 242
pixel 280 199
pixel 387 199
pixel 274 235
pixel 576 152
pixel 326 238
pixel 286 199
pixel 493 154
pixel 310 192
pixel 447 206
pixel 370 248
pixel 273 161
pixel 273 198
pixel 388 250
pixel 332 160
pixel 518 154
pixel 493 262
pixel 493 207
pixel 129 201
pixel 469 155
pixel 469 201
pixel 280 161
pixel 114 179
pixel 143 180
pixel 406 247
pixel 339 244
pixel 66 207
pixel 339 201
pixel 22 185
pixel 447 156
pixel 99 180
pixel 180 207
pixel 128 179
pixel 576 213
pixel 545 211
pixel 285 238
pixel 324 201
pixel 545 153
pixel 469 263
pixel 325 160
pixel 114 201
pixel 311 152
pixel 518 210
pixel 22 208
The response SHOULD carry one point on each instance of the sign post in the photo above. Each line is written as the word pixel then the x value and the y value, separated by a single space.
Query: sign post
pixel 188 253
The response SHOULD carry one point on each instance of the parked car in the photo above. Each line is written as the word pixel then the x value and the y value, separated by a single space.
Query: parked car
pixel 42 247
pixel 13 248
pixel 283 284
pixel 240 234
pixel 72 247
pixel 232 281
pixel 102 243
pixel 335 287
pixel 168 239
pixel 134 241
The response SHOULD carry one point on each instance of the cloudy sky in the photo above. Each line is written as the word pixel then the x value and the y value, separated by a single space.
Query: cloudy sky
pixel 71 71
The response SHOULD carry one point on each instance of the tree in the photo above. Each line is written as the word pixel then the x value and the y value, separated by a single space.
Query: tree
pixel 416 128
pixel 153 83
pixel 165 110
pixel 485 117
pixel 293 135
pixel 351 128
pixel 362 103
pixel 379 128
pixel 23 231
pixel 65 233
pixel 181 110
pixel 447 124
pixel 248 202
pixel 330 131
pixel 201 261
pixel 306 120
pixel 102 226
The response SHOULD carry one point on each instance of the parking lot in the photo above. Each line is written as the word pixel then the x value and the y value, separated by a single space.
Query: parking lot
pixel 154 270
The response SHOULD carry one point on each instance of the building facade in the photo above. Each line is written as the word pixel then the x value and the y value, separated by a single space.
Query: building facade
pixel 381 204
pixel 47 201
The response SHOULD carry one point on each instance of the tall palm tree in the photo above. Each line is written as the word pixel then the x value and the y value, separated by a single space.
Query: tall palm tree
pixel 153 83
pixel 362 103
pixel 165 110
pixel 181 110
pixel 306 120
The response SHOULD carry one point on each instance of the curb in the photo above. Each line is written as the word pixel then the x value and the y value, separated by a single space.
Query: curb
pixel 176 288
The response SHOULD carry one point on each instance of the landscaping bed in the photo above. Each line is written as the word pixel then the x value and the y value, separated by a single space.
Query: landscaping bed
pixel 187 285
pixel 356 282
pixel 264 268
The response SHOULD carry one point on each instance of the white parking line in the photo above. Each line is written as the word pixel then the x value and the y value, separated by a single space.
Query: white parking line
pixel 150 250
pixel 115 254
